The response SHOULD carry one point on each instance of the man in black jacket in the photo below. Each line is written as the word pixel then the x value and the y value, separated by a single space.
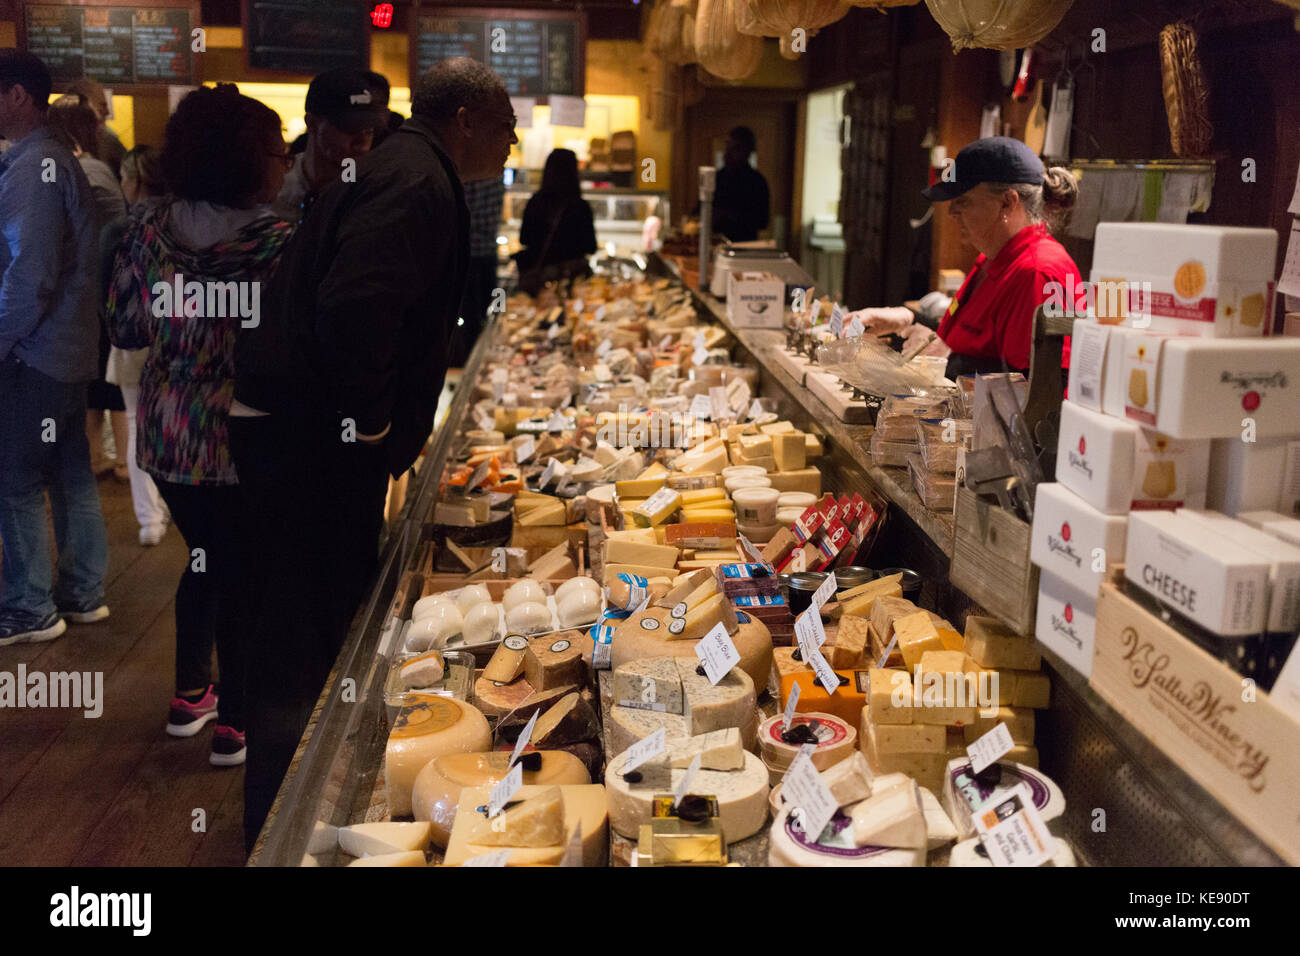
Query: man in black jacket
pixel 337 386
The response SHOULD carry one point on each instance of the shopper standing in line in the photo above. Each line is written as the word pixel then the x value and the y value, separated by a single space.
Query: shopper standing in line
pixel 344 108
pixel 48 333
pixel 740 196
pixel 336 390
pixel 557 230
pixel 108 148
pixel 224 160
pixel 144 186
pixel 484 199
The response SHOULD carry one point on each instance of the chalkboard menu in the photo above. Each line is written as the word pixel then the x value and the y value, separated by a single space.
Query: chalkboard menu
pixel 306 36
pixel 536 53
pixel 119 46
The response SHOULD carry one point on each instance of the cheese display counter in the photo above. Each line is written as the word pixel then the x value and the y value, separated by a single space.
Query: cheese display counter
pixel 652 602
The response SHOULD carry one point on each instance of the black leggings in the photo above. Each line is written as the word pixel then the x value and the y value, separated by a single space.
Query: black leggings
pixel 209 606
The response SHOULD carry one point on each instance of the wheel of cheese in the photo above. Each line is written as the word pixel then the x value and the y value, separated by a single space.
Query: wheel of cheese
pixel 435 605
pixel 471 596
pixel 437 788
pixel 742 796
pixel 960 790
pixel 427 727
pixel 634 639
pixel 790 846
pixel 518 697
pixel 707 707
pixel 528 617
pixel 482 622
pixel 522 592
pixel 577 585
pixel 837 739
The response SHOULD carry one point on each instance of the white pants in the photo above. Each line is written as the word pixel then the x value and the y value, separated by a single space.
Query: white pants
pixel 149 509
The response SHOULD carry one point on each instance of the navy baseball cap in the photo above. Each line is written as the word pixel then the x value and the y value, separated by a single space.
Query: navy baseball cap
pixel 350 99
pixel 995 159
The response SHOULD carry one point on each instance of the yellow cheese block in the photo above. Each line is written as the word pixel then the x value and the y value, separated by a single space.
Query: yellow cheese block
pixel 756 446
pixel 812 446
pixel 805 479
pixel 632 552
pixel 702 619
pixel 698 495
pixel 890 698
pixel 857 601
pixel 658 508
pixel 406 858
pixel 789 450
pixel 708 514
pixel 544 514
pixel 640 570
pixel 639 488
pixel 916 634
pixel 584 806
pixel 776 428
pixel 536 821
pixel 643 535
pixel 654 470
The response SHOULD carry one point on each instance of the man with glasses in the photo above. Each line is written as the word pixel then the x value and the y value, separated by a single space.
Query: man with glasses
pixel 344 108
pixel 336 389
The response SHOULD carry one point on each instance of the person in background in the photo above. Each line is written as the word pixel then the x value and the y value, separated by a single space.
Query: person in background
pixel 344 108
pixel 223 160
pixel 108 147
pixel 1005 204
pixel 557 228
pixel 337 388
pixel 144 186
pixel 484 199
pixel 48 331
pixel 395 121
pixel 73 121
pixel 740 195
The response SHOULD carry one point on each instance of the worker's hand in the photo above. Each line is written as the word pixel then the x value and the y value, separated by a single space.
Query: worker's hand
pixel 884 321
pixel 916 334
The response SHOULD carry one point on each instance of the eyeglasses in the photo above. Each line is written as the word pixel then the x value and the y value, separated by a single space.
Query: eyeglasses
pixel 508 118
pixel 286 158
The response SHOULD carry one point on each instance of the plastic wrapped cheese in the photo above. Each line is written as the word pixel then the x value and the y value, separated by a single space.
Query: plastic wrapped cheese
pixel 428 727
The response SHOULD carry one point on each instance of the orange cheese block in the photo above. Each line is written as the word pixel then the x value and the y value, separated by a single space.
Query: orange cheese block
pixel 846 703
pixel 701 534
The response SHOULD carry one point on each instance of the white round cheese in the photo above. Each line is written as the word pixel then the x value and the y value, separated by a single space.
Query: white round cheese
pixel 741 795
pixel 471 596
pixel 961 790
pixel 530 617
pixel 435 606
pixel 836 740
pixel 481 623
pixel 790 846
pixel 635 639
pixel 522 592
pixel 432 633
pixel 577 586
pixel 578 607
pixel 428 727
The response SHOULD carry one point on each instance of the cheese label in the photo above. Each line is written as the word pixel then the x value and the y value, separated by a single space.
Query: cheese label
pixel 688 778
pixel 700 356
pixel 718 403
pixel 579 306
pixel 573 851
pixel 698 341
pixel 478 475
pixel 525 449
pixel 647 748
pixel 559 647
pixel 650 624
pixel 504 789
pixel 718 653
pixel 524 737
pixel 1012 830
pixel 553 332
pixel 498 391
pixel 809 631
pixel 676 626
pixel 855 329
pixel 557 423
pixel 990 748
pixel 599 314
pixel 496 858
pixel 701 407
pixel 679 610
pixel 600 656
pixel 666 341
pixel 823 593
pixel 837 320
pixel 808 794
pixel 548 473
pixel 825 673
pixel 790 706
pixel 755 409
pixel 758 600
pixel 603 348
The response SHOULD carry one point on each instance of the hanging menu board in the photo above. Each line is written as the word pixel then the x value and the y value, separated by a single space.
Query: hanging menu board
pixel 306 36
pixel 121 46
pixel 536 52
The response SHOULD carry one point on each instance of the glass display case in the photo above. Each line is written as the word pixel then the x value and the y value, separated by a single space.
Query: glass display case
pixel 619 214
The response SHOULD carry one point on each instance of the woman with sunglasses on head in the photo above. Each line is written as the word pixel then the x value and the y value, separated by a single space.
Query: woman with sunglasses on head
pixel 223 159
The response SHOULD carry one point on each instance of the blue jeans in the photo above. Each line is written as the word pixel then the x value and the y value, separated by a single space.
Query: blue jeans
pixel 43 442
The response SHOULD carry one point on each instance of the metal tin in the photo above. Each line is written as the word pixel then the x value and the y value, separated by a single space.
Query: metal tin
pixel 911 582
pixel 801 588
pixel 852 576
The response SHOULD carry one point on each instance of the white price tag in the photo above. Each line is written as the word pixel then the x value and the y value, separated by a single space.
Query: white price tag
pixel 551 467
pixel 804 789
pixel 524 738
pixel 498 391
pixel 645 749
pixel 666 341
pixel 499 560
pixel 579 306
pixel 600 313
pixel 755 409
pixel 814 311
pixel 752 552
pixel 740 392
pixel 701 407
pixel 573 852
pixel 603 348
pixel 855 328
pixel 484 422
pixel 790 706
pixel 477 477
pixel 1011 829
pixel 990 748
pixel 688 778
pixel 718 653
pixel 557 423
pixel 568 400
pixel 826 675
pixel 809 630
pixel 499 375
pixel 837 320
pixel 824 592
pixel 889 649
pixel 718 403
pixel 700 356
pixel 554 331
pixel 525 449
pixel 504 789
pixel 698 341
pixel 495 858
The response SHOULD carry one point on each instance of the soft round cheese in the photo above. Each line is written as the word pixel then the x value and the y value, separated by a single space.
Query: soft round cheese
pixel 961 790
pixel 635 638
pixel 577 586
pixel 437 788
pixel 434 605
pixel 427 727
pixel 523 592
pixel 578 607
pixel 790 846
pixel 472 596
pixel 967 853
pixel 481 623
pixel 739 471
pixel 432 633
pixel 796 499
pixel 741 795
pixel 530 617
pixel 836 738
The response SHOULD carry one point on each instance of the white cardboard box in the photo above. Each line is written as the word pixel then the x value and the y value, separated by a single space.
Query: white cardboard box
pixel 1169 472
pixel 1220 585
pixel 1278 525
pixel 1067 621
pixel 1283 558
pixel 1248 476
pixel 1073 540
pixel 755 300
pixel 1212 281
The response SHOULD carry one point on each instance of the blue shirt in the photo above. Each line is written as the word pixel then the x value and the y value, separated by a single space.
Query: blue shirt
pixel 49 309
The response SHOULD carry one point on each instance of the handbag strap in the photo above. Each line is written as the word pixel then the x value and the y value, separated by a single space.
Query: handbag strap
pixel 546 246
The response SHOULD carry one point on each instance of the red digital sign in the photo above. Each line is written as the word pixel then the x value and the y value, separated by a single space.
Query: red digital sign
pixel 381 15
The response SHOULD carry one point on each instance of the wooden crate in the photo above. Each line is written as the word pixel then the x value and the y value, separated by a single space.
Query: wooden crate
pixel 1244 752
pixel 990 561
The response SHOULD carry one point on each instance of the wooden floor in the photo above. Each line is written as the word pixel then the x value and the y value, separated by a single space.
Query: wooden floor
pixel 116 790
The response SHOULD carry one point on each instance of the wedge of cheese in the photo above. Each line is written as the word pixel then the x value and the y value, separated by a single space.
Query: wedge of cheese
pixel 639 553
pixel 858 601
pixel 536 821
pixel 407 858
pixel 374 839
pixel 584 807
pixel 893 817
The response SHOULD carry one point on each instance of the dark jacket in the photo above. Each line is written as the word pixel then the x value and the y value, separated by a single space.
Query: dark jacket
pixel 740 203
pixel 358 320
pixel 574 236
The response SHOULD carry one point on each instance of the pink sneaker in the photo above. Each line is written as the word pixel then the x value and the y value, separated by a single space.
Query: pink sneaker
pixel 228 748
pixel 186 719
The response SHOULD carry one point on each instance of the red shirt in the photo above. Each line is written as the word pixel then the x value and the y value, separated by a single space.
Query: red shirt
pixel 994 319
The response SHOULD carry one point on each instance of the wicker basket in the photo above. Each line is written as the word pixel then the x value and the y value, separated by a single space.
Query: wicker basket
pixel 1187 94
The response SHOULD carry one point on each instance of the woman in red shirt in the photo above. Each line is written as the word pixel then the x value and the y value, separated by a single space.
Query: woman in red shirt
pixel 1004 202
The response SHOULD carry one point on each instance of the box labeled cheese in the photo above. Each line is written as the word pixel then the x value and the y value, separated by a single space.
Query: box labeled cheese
pixel 1067 621
pixel 1217 584
pixel 1209 281
pixel 1072 539
pixel 755 300
pixel 1251 475
pixel 1278 525
pixel 1284 565
pixel 1221 388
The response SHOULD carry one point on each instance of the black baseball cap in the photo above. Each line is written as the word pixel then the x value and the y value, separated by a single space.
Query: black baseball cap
pixel 994 159
pixel 350 99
